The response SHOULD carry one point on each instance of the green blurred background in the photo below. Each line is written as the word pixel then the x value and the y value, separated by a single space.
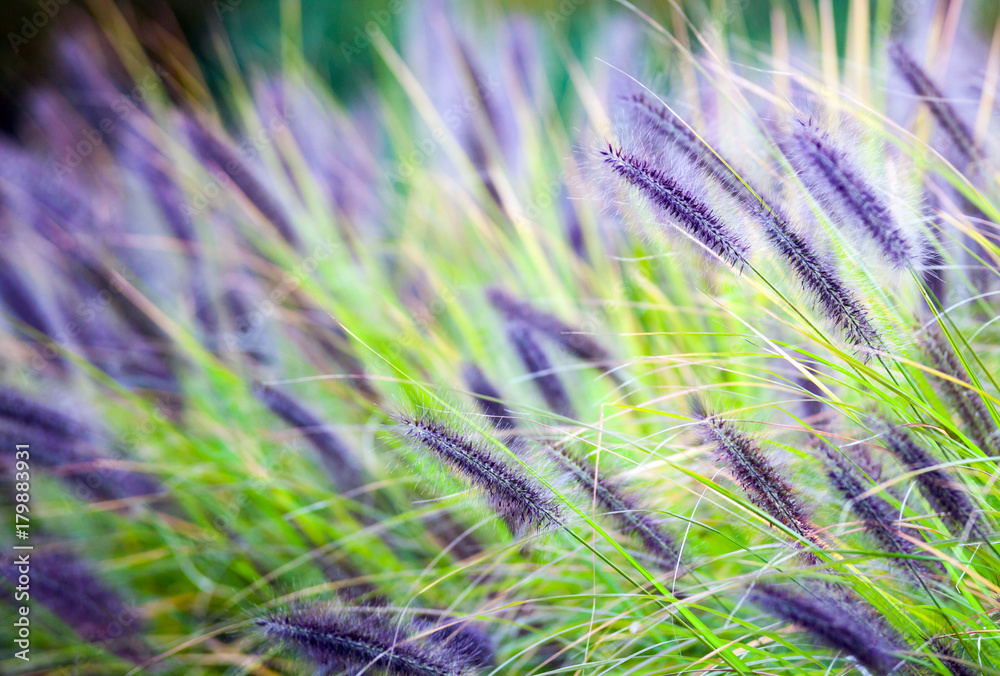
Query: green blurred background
pixel 332 32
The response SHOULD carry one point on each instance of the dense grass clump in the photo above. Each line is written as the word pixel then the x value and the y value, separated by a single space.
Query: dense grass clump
pixel 512 364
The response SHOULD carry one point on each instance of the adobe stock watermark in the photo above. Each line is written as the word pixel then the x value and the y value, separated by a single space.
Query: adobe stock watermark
pixel 545 196
pixel 31 24
pixel 902 11
pixel 290 282
pixel 222 178
pixel 22 552
pixel 122 106
pixel 223 7
pixel 86 312
pixel 378 20
pixel 228 516
pixel 719 24
pixel 427 147
pixel 423 320
pixel 562 12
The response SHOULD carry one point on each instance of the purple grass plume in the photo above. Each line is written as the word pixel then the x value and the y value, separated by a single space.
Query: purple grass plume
pixel 818 277
pixel 349 641
pixel 468 639
pixel 338 459
pixel 540 369
pixel 948 654
pixel 251 336
pixel 669 197
pixel 764 485
pixel 670 127
pixel 942 492
pixel 79 464
pixel 934 275
pixel 574 340
pixel 521 501
pixel 969 405
pixel 621 506
pixel 211 149
pixel 878 516
pixel 70 449
pixel 575 234
pixel 921 83
pixel 871 641
pixel 170 200
pixel 68 587
pixel 20 409
pixel 844 191
pixel 488 398
pixel 23 302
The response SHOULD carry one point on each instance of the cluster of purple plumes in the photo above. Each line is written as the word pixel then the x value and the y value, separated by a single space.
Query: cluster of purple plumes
pixel 503 459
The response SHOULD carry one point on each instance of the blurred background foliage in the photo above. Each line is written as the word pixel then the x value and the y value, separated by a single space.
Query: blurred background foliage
pixel 332 34
pixel 217 460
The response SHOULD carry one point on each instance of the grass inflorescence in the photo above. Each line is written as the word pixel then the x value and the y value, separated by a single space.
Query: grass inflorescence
pixel 421 383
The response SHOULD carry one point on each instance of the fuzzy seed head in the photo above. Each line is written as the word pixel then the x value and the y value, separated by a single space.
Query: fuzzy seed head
pixel 488 398
pixel 817 276
pixel 537 363
pixel 820 279
pixel 354 640
pixel 214 150
pixel 922 84
pixel 670 198
pixel 570 338
pixel 941 491
pixel 878 516
pixel 517 497
pixel 762 482
pixel 846 193
pixel 25 411
pixel 967 402
pixel 68 587
pixel 667 125
pixel 872 643
pixel 620 505
pixel 339 460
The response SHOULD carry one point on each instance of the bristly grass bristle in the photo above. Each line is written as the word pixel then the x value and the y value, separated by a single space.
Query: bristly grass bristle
pixel 521 501
pixel 743 457
pixel 873 644
pixel 968 403
pixel 540 369
pixel 668 196
pixel 211 259
pixel 879 517
pixel 942 109
pixel 818 276
pixel 68 587
pixel 574 340
pixel 842 188
pixel 621 505
pixel 488 398
pixel 340 462
pixel 357 639
pixel 942 492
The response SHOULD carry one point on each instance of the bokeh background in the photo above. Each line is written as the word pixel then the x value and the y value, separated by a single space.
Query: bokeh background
pixel 172 292
pixel 332 32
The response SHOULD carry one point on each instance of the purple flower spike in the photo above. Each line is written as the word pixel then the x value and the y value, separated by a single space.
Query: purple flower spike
pixel 843 190
pixel 870 641
pixel 520 500
pixel 669 197
pixel 354 640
